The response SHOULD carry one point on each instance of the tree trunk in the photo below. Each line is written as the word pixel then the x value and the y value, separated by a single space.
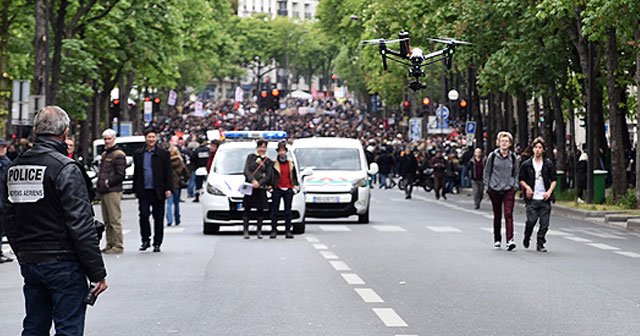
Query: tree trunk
pixel 535 129
pixel 5 91
pixel 560 132
pixel 547 125
pixel 618 167
pixel 492 129
pixel 474 105
pixel 56 63
pixel 41 50
pixel 636 36
pixel 523 118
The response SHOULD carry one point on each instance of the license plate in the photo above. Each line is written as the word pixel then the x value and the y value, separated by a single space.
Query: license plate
pixel 326 199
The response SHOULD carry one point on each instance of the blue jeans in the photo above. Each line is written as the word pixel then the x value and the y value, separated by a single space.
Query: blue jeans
pixel 174 201
pixel 55 291
pixel 191 185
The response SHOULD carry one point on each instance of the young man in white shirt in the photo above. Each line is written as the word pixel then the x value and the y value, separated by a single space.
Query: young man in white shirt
pixel 538 180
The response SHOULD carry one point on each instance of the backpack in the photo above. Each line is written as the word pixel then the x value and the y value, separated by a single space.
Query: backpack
pixel 513 162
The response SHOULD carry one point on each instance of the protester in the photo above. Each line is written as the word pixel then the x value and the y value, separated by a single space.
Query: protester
pixel 475 170
pixel 180 177
pixel 439 165
pixel 408 170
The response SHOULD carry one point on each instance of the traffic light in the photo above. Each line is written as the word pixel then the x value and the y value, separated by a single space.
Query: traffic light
pixel 156 105
pixel 263 99
pixel 406 106
pixel 115 108
pixel 426 103
pixel 275 99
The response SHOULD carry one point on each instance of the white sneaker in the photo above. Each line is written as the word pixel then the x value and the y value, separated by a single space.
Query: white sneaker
pixel 496 245
pixel 580 201
pixel 511 245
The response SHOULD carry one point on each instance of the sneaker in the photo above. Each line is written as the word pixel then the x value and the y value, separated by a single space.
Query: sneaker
pixel 541 248
pixel 525 243
pixel 496 245
pixel 511 245
pixel 580 201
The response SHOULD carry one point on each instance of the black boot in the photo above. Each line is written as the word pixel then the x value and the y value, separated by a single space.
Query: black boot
pixel 245 225
pixel 145 245
pixel 288 234
pixel 259 228
pixel 274 232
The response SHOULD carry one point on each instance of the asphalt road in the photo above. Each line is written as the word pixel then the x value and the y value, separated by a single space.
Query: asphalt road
pixel 421 267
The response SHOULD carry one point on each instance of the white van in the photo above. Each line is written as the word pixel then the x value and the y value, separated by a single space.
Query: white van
pixel 128 144
pixel 222 202
pixel 339 185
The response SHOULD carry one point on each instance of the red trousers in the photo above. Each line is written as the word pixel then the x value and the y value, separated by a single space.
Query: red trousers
pixel 500 199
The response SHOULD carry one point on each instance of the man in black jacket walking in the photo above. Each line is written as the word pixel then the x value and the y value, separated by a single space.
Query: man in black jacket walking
pixel 49 222
pixel 408 169
pixel 152 183
pixel 538 179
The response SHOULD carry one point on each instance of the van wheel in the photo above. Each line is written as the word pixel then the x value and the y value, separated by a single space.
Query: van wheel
pixel 299 228
pixel 209 229
pixel 364 218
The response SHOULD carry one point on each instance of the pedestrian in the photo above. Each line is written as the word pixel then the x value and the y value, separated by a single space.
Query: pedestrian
pixel 199 159
pixel 501 179
pixel 385 164
pixel 408 169
pixel 475 170
pixel 4 166
pixel 285 184
pixel 213 149
pixel 439 166
pixel 109 187
pixel 180 177
pixel 152 184
pixel 581 176
pixel 538 179
pixel 49 222
pixel 71 148
pixel 257 173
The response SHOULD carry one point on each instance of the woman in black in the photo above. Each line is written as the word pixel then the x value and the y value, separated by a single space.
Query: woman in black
pixel 257 172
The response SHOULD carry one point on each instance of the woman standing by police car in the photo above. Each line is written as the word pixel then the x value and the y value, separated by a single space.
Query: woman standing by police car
pixel 257 172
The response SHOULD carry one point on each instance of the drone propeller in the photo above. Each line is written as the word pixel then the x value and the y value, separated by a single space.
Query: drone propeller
pixel 379 41
pixel 449 40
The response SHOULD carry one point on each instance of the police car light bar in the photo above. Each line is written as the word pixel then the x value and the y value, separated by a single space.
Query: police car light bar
pixel 251 135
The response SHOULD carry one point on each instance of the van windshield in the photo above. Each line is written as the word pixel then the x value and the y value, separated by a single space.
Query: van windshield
pixel 230 161
pixel 128 147
pixel 329 158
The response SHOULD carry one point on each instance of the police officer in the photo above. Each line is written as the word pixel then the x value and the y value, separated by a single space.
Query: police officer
pixel 199 159
pixel 49 222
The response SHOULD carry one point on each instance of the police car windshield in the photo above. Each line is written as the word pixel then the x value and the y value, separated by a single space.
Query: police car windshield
pixel 230 161
pixel 329 158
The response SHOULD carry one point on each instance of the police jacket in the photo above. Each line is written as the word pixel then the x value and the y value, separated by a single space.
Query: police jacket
pixel 47 212
pixel 112 167
pixel 200 157
pixel 528 174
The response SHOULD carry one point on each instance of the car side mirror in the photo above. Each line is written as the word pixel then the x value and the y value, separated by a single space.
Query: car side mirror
pixel 373 169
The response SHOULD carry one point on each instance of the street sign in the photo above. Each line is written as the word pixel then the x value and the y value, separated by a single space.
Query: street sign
pixel 442 112
pixel 173 96
pixel 20 103
pixel 415 129
pixel 471 127
pixel 148 111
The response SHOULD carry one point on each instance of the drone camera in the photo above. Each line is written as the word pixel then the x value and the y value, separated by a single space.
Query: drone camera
pixel 417 55
pixel 417 86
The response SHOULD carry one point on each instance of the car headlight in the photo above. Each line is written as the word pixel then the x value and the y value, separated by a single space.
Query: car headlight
pixel 213 190
pixel 360 182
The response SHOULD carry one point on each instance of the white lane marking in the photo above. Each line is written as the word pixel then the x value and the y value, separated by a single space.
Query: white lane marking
pixel 628 254
pixel 320 246
pixel 174 230
pixel 443 229
pixel 124 232
pixel 312 239
pixel 329 255
pixel 488 216
pixel 369 295
pixel 334 228
pixel 340 266
pixel 230 228
pixel 557 233
pixel 604 246
pixel 388 228
pixel 389 317
pixel 352 279
pixel 577 239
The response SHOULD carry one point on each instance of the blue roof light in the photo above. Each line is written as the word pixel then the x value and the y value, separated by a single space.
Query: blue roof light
pixel 252 135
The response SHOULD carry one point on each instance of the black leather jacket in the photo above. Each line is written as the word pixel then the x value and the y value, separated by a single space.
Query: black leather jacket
pixel 47 212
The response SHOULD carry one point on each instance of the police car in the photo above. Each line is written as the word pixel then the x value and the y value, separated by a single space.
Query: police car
pixel 221 201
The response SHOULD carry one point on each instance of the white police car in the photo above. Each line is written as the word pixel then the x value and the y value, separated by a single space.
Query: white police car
pixel 221 201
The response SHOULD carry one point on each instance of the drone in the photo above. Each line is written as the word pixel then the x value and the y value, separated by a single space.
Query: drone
pixel 415 58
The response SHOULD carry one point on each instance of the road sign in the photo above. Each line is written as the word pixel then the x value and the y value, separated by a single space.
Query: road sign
pixel 20 103
pixel 442 112
pixel 471 127
pixel 415 129
pixel 148 111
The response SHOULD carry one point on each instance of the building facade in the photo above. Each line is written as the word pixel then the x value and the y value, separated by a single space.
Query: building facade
pixel 296 9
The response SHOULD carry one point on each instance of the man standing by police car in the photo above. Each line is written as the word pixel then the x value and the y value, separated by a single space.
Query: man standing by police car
pixel 49 222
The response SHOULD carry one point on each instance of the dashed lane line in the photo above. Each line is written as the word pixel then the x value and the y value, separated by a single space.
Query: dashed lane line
pixel 174 229
pixel 628 254
pixel 334 228
pixel 352 279
pixel 604 246
pixel 443 229
pixel 368 295
pixel 389 317
pixel 312 239
pixel 340 265
pixel 320 246
pixel 388 228
pixel 329 255
pixel 577 239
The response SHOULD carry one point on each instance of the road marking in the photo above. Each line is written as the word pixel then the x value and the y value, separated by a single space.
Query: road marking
pixel 312 239
pixel 557 233
pixel 329 255
pixel 334 228
pixel 388 228
pixel 174 230
pixel 369 295
pixel 628 254
pixel 604 246
pixel 443 229
pixel 230 228
pixel 577 239
pixel 389 317
pixel 352 279
pixel 320 246
pixel 340 265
